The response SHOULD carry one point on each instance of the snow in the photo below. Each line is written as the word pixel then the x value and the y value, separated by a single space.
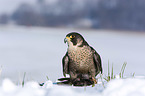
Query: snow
pixel 117 87
pixel 8 86
pixel 125 87
pixel 39 51
pixel 48 84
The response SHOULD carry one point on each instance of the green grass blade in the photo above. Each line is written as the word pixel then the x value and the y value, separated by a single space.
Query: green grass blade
pixel 108 72
pixel 47 77
pixel 23 82
pixel 108 69
pixel 133 74
pixel 102 80
pixel 123 68
pixel 112 73
pixel 120 74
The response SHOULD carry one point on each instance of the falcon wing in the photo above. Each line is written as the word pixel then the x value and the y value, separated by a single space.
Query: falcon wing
pixel 97 61
pixel 65 62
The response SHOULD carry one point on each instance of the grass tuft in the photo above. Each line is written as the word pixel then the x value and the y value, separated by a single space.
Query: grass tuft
pixel 112 76
pixel 122 70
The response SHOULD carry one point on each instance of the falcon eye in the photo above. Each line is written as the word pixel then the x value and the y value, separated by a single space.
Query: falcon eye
pixel 72 36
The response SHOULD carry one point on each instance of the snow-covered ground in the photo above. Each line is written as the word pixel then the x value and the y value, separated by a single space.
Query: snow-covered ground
pixel 38 52
pixel 117 87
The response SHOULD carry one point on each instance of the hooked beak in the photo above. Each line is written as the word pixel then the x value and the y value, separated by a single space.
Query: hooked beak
pixel 66 39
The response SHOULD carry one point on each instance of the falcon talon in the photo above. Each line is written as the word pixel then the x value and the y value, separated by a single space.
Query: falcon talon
pixel 80 61
pixel 94 80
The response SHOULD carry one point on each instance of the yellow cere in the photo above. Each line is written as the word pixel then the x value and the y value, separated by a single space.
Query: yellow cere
pixel 68 38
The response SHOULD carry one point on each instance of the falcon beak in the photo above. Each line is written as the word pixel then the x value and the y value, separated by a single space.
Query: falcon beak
pixel 66 39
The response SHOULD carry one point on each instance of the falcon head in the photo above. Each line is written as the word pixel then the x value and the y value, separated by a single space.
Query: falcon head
pixel 75 39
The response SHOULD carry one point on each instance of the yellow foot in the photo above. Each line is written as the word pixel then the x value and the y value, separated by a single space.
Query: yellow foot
pixel 93 85
pixel 94 80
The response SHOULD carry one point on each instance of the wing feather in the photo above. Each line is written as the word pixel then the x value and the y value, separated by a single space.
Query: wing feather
pixel 97 61
pixel 65 62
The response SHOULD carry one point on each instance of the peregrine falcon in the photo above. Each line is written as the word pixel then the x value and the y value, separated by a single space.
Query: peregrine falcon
pixel 80 60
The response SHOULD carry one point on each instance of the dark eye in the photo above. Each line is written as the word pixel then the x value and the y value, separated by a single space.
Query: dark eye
pixel 72 36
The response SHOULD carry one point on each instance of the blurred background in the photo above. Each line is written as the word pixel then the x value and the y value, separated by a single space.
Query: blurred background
pixel 98 14
pixel 32 33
